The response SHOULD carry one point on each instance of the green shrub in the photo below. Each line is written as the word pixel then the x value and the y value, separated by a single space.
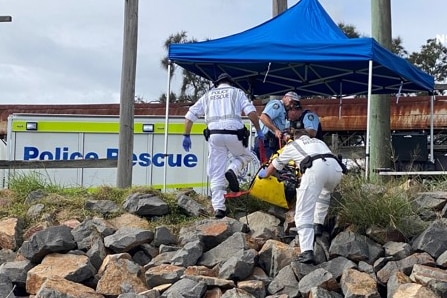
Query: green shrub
pixel 362 205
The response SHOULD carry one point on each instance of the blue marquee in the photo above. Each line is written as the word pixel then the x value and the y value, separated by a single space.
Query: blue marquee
pixel 302 50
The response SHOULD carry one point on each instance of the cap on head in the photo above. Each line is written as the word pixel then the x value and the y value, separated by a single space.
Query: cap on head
pixel 293 96
pixel 223 77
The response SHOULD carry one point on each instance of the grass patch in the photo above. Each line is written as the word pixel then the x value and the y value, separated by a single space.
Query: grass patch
pixel 363 205
pixel 61 203
pixel 360 205
pixel 24 183
pixel 245 204
pixel 437 183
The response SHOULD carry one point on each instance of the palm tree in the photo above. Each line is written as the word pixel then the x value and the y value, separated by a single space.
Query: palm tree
pixel 193 86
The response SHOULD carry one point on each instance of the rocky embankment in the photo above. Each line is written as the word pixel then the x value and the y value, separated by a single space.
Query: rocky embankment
pixel 249 257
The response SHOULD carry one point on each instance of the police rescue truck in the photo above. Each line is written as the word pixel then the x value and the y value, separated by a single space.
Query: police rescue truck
pixel 41 137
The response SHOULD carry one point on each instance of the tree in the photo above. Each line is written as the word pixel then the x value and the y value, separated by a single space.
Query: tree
pixel 397 47
pixel 432 59
pixel 193 86
pixel 172 97
pixel 180 37
pixel 349 30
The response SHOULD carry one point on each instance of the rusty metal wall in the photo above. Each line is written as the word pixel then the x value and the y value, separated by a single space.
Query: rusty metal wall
pixel 408 113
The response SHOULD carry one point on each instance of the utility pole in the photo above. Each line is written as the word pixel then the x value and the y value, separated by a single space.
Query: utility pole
pixel 278 7
pixel 127 96
pixel 380 137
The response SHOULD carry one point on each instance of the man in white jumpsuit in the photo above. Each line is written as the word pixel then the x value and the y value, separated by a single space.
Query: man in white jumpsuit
pixel 222 107
pixel 317 183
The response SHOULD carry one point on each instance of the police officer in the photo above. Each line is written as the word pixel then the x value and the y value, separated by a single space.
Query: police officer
pixel 274 122
pixel 321 173
pixel 222 107
pixel 301 118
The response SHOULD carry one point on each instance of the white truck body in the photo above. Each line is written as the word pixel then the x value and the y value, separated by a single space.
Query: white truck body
pixel 66 137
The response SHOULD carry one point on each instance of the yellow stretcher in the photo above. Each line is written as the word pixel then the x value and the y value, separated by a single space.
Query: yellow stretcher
pixel 272 189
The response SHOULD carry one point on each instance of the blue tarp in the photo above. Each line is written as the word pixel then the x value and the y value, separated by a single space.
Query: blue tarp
pixel 303 50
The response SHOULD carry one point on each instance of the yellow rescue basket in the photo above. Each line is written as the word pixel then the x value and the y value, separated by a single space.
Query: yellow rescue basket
pixel 279 189
pixel 269 190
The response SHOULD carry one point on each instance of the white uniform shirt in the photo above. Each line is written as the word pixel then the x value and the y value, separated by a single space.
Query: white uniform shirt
pixel 222 108
pixel 310 146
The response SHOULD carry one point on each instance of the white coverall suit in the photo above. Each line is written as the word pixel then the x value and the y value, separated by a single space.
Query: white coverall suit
pixel 317 183
pixel 222 108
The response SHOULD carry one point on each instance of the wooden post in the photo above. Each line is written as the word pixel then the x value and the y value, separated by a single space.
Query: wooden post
pixel 279 6
pixel 334 143
pixel 128 72
pixel 380 146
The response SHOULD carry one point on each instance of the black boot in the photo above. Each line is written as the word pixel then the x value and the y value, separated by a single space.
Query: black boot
pixel 220 214
pixel 232 180
pixel 306 257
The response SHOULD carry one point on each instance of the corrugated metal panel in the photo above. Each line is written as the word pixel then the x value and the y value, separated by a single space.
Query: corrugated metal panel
pixel 409 113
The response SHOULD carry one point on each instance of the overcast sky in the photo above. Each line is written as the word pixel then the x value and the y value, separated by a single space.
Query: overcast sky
pixel 70 51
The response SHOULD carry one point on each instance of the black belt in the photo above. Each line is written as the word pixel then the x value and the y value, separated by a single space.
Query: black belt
pixel 223 132
pixel 328 155
pixel 324 156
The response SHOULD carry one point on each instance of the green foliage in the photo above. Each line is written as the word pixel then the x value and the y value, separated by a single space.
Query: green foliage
pixel 364 205
pixel 69 203
pixel 349 30
pixel 106 192
pixel 437 183
pixel 432 59
pixel 11 207
pixel 193 86
pixel 22 184
pixel 397 47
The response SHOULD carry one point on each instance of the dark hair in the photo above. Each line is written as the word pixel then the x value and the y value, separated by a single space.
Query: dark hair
pixel 223 77
pixel 298 132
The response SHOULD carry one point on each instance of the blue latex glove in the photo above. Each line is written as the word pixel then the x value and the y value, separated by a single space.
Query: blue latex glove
pixel 260 134
pixel 186 142
pixel 262 173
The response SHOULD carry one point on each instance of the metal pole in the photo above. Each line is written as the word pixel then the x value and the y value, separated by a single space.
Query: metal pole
pixel 128 72
pixel 368 115
pixel 432 109
pixel 168 93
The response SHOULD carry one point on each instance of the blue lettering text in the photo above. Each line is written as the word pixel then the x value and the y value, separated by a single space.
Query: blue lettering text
pixel 143 159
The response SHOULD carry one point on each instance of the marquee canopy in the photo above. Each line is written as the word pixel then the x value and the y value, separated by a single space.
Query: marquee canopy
pixel 302 50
